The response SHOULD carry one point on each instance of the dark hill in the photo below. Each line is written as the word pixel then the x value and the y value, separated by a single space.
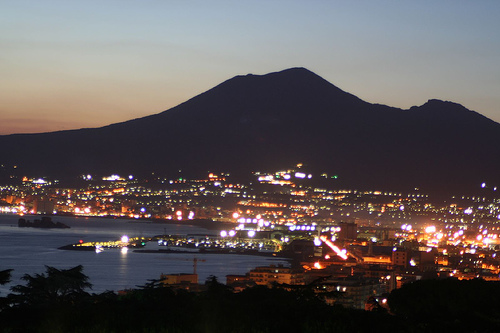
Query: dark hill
pixel 268 122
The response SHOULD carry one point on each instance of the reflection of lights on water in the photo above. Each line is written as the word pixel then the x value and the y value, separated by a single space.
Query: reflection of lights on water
pixel 124 250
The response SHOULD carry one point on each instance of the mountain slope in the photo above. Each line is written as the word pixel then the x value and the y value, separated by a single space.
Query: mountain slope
pixel 268 122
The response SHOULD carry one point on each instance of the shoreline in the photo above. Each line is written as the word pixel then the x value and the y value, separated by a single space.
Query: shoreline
pixel 240 252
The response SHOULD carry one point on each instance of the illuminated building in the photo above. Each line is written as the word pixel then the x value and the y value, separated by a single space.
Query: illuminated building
pixel 351 292
pixel 348 231
pixel 400 258
pixel 276 274
pixel 181 281
pixel 43 206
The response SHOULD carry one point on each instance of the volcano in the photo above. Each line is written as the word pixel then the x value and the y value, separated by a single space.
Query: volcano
pixel 274 121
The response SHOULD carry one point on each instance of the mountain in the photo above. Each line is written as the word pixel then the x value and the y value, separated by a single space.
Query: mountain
pixel 274 121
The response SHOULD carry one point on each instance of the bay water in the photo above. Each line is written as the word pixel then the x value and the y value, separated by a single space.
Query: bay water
pixel 28 250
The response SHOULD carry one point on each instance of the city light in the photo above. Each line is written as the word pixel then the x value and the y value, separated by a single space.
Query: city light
pixel 430 229
pixel 339 252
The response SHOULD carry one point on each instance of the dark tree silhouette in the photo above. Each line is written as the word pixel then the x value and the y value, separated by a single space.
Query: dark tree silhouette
pixel 52 287
pixel 5 276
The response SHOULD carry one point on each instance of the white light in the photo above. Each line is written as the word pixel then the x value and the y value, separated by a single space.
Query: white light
pixel 300 175
pixel 124 250
pixel 251 233
pixel 430 229
pixel 223 233
pixel 483 185
pixel 125 239
pixel 317 241
pixel 232 233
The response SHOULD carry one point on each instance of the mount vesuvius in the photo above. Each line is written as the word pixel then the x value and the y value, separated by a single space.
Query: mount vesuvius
pixel 273 121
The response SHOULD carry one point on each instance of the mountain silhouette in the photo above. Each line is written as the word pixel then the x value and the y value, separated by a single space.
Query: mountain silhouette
pixel 274 121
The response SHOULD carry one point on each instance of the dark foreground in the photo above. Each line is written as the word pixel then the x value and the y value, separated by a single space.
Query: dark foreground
pixel 57 302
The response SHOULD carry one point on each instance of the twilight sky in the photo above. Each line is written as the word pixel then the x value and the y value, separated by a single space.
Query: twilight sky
pixel 73 64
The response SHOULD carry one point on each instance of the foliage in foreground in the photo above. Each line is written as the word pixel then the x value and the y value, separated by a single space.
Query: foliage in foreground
pixel 56 301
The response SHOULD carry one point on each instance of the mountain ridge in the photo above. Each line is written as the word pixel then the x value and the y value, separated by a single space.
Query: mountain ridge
pixel 265 122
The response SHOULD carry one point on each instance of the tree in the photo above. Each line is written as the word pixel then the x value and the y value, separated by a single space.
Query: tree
pixel 65 285
pixel 5 276
pixel 4 279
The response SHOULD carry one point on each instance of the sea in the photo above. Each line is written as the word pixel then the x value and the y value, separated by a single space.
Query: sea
pixel 29 250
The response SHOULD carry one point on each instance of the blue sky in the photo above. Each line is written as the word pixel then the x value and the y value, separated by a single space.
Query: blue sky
pixel 74 64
